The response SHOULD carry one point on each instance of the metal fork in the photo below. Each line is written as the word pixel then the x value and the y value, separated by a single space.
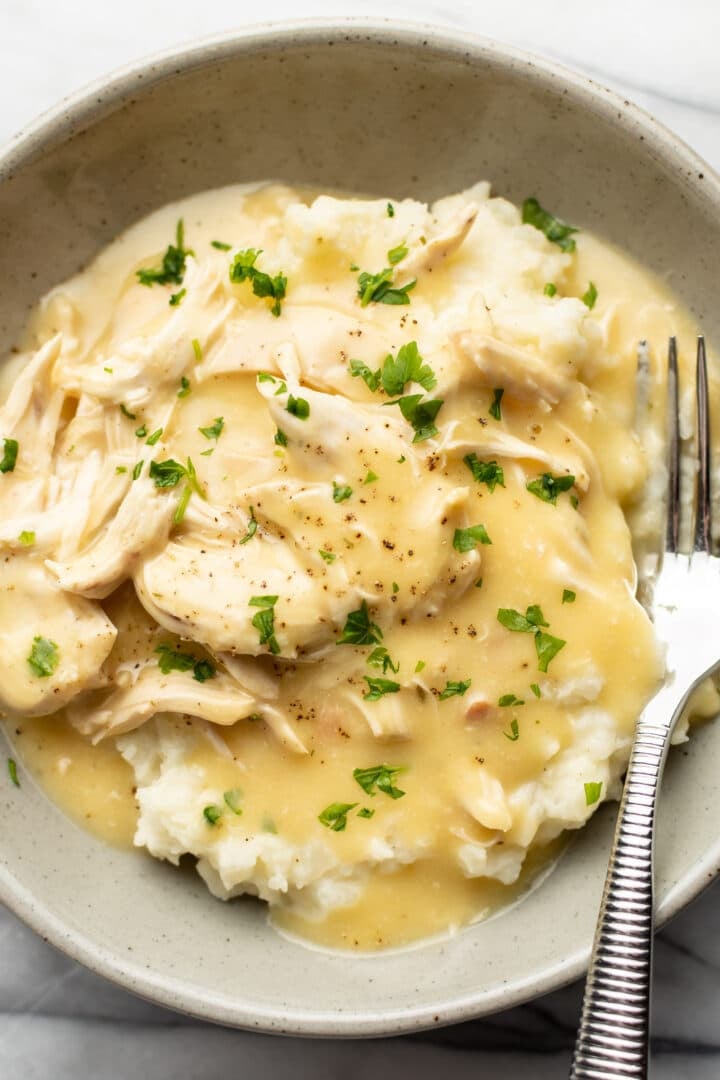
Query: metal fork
pixel 613 1036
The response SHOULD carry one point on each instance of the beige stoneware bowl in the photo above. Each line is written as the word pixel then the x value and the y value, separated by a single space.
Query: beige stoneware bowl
pixel 385 109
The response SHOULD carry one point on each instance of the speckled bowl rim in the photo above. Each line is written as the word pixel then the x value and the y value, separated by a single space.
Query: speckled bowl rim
pixel 89 105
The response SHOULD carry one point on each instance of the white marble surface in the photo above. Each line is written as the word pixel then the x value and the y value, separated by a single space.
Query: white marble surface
pixel 58 1020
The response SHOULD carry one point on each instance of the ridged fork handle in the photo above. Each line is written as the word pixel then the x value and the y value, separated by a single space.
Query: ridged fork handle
pixel 612 1041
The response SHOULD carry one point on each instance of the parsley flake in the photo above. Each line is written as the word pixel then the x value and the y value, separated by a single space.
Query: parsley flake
pixel 380 658
pixel 455 689
pixel 371 477
pixel 547 487
pixel 397 254
pixel 535 689
pixel 177 298
pixel 219 245
pixel 328 556
pixel 495 410
pixel 137 469
pixel 10 453
pixel 380 288
pixel 172 270
pixel 335 815
pixel 341 492
pixel 508 700
pixel 243 269
pixel 546 646
pixel 557 231
pixel 155 437
pixel 251 529
pixel 568 596
pixel 27 538
pixel 141 432
pixel 232 799
pixel 485 472
pixel 380 778
pixel 44 657
pixel 592 792
pixel 550 289
pixel 514 731
pixel 420 414
pixel 280 438
pixel 366 812
pixel 379 687
pixel 126 412
pixel 590 296
pixel 197 349
pixel 361 370
pixel 407 367
pixel 359 629
pixel 390 210
pixel 184 387
pixel 214 431
pixel 212 814
pixel 419 666
pixel 468 539
pixel 173 660
pixel 264 621
pixel 12 771
pixel 298 407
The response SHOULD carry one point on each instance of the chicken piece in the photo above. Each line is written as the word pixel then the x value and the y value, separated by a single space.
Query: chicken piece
pixel 142 522
pixel 428 257
pixel 218 700
pixel 483 796
pixel 138 368
pixel 76 633
pixel 518 371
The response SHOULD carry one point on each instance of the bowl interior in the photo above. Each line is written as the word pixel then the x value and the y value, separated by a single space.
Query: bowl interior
pixel 393 112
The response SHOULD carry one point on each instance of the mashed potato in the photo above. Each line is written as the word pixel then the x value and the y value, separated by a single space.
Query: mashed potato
pixel 316 511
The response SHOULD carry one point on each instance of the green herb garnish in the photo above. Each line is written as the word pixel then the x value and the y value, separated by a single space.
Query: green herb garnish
pixel 251 529
pixel 264 621
pixel 390 210
pixel 485 472
pixel 379 687
pixel 298 407
pixel 126 412
pixel 420 414
pixel 184 387
pixel 380 288
pixel 407 367
pixel 359 629
pixel 380 658
pixel 220 245
pixel 232 799
pixel 468 539
pixel 177 298
pixel 366 812
pixel 454 689
pixel 495 410
pixel 243 269
pixel 556 230
pixel 341 492
pixel 328 556
pixel 568 596
pixel 335 815
pixel 547 487
pixel 592 792
pixel 590 296
pixel 27 538
pixel 174 660
pixel 535 689
pixel 508 700
pixel 550 289
pixel 370 378
pixel 197 349
pixel 141 432
pixel 155 437
pixel 212 814
pixel 380 778
pixel 514 731
pixel 397 254
pixel 137 469
pixel 546 646
pixel 172 270
pixel 12 771
pixel 280 438
pixel 44 657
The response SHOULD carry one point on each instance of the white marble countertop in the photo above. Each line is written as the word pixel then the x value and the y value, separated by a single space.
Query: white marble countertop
pixel 57 1019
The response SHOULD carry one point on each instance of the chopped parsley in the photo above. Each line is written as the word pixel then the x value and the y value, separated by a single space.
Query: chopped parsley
pixel 467 539
pixel 547 487
pixel 568 596
pixel 335 815
pixel 514 731
pixel 497 397
pixel 155 437
pixel 126 412
pixel 378 687
pixel 137 469
pixel 397 254
pixel 380 288
pixel 12 772
pixel 174 660
pixel 264 621
pixel 27 538
pixel 366 812
pixel 370 378
pixel 380 778
pixel 212 814
pixel 419 666
pixel 557 231
pixel 341 492
pixel 280 438
pixel 407 367
pixel 184 387
pixel 232 799
pixel 10 453
pixel 169 473
pixel 485 472
pixel 550 289
pixel 371 477
pixel 197 349
pixel 546 646
pixel 592 792
pixel 298 406
pixel 535 689
pixel 182 505
pixel 590 296
pixel 380 658
pixel 141 432
pixel 120 469
pixel 508 700
pixel 455 689
pixel 243 269
pixel 328 556
pixel 390 210
pixel 395 587
pixel 44 657
pixel 219 245
pixel 177 298
pixel 359 629
pixel 420 414
pixel 172 270
pixel 251 529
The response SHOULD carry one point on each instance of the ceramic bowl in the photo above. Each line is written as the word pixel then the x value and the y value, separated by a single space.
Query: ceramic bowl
pixel 392 110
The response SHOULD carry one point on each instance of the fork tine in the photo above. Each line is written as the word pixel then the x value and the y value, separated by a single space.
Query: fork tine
pixel 702 504
pixel 673 504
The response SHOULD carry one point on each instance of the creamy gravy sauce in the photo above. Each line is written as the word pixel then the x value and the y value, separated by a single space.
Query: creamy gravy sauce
pixel 536 552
